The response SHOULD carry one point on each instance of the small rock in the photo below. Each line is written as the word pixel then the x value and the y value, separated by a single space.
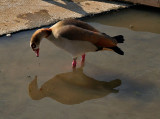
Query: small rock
pixel 131 26
pixel 28 76
pixel 8 35
pixel 87 3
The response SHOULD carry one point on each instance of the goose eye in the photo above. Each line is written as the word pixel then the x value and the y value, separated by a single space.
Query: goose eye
pixel 33 45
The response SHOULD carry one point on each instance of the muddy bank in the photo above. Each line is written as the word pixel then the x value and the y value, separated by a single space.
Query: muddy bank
pixel 20 15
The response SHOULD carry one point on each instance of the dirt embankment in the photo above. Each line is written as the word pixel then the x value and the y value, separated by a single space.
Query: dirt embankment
pixel 19 15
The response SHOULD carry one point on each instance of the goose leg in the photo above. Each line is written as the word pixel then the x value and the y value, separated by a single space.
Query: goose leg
pixel 83 58
pixel 74 62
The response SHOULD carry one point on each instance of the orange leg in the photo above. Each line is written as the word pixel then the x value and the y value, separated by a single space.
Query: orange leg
pixel 83 58
pixel 74 63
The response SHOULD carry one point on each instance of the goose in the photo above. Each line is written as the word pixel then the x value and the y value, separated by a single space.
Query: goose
pixel 77 38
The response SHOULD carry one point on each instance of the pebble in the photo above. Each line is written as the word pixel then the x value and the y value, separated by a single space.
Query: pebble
pixel 8 35
pixel 131 26
pixel 28 76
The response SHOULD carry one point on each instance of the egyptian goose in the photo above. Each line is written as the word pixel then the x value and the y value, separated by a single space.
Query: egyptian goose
pixel 77 38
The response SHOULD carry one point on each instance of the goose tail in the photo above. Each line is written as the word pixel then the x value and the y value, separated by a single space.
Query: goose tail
pixel 119 38
pixel 117 50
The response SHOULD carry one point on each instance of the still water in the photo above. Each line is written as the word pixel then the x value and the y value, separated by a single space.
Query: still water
pixel 139 18
pixel 108 86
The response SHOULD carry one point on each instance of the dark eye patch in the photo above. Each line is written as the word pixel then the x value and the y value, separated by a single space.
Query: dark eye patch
pixel 33 45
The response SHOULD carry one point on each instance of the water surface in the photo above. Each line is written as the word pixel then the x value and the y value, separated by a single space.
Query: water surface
pixel 137 18
pixel 107 86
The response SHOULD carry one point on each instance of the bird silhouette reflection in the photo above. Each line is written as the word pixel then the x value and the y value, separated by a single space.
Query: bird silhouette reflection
pixel 72 88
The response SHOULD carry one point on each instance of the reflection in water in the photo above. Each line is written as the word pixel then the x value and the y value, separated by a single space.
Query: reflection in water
pixel 72 88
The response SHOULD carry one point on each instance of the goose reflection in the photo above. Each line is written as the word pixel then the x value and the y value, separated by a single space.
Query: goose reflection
pixel 72 88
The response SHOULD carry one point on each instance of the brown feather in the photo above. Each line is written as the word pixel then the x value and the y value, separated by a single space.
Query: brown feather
pixel 77 23
pixel 72 32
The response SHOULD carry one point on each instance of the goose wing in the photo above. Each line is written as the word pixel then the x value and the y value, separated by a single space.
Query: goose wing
pixel 72 32
pixel 76 23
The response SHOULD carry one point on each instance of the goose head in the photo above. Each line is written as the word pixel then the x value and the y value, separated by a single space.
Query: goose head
pixel 37 37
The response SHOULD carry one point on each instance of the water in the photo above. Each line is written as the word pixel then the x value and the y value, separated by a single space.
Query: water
pixel 137 18
pixel 107 86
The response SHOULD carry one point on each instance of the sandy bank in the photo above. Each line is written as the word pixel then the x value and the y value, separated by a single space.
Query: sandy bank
pixel 19 15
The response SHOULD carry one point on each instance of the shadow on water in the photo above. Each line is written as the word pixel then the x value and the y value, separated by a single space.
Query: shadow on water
pixel 66 4
pixel 72 88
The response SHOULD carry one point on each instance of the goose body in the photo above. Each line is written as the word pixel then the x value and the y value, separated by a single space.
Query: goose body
pixel 75 47
pixel 76 37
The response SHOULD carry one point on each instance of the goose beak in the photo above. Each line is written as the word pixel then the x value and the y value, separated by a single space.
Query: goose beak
pixel 37 52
